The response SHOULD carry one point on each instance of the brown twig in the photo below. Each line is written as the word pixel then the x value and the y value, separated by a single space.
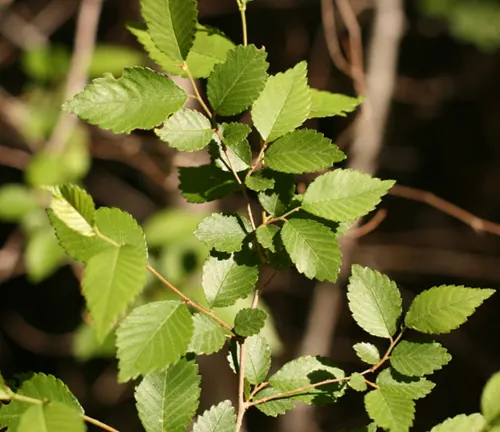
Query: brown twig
pixel 476 223
pixel 331 37
pixel 368 227
pixel 85 38
pixel 14 158
pixel 355 44
pixel 187 300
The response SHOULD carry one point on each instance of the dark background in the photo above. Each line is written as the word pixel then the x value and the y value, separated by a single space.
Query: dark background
pixel 442 135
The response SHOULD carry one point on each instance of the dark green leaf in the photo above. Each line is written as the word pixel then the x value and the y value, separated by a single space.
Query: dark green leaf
pixel 219 418
pixel 224 233
pixel 308 370
pixel 259 181
pixel 171 25
pixel 208 335
pixel 284 103
pixel 276 201
pixel 234 85
pixel 205 183
pixel 152 337
pixel 187 130
pixel 357 382
pixel 112 280
pixel 140 99
pixel 210 47
pixel 389 410
pixel 367 352
pixel 258 359
pixel 374 301
pixel 226 280
pixel 265 236
pixel 274 407
pixel 442 309
pixel 462 423
pixel 249 322
pixel 37 386
pixel 313 248
pixel 326 104
pixel 344 195
pixel 419 358
pixel 408 387
pixel 235 144
pixel 168 400
pixel 302 151
pixel 52 417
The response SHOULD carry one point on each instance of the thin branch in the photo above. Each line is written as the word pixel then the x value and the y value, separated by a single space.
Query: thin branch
pixel 187 300
pixel 98 423
pixel 332 38
pixel 476 223
pixel 14 158
pixel 368 227
pixel 196 91
pixel 355 44
pixel 242 405
pixel 86 32
pixel 243 7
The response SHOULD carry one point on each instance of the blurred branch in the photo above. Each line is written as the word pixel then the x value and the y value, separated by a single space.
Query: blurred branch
pixel 86 32
pixel 331 37
pixel 14 158
pixel 10 256
pixel 476 223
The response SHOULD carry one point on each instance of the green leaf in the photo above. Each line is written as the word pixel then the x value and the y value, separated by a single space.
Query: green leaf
pixel 52 417
pixel 419 358
pixel 441 309
pixel 43 255
pixel 140 99
pixel 113 58
pixel 313 248
pixel 210 47
pixel 326 104
pixel 112 280
pixel 234 85
pixel 374 301
pixel 259 181
pixel 168 400
pixel 16 201
pixel 258 359
pixel 249 321
pixel 228 279
pixel 38 386
pixel 75 207
pixel 284 103
pixel 219 418
pixel 115 224
pixel 205 183
pixel 302 151
pixel 222 232
pixel 413 388
pixel 277 200
pixel 357 382
pixel 344 195
pixel 208 335
pixel 265 236
pixel 274 407
pixel 4 390
pixel 187 130
pixel 367 352
pixel 152 337
pixel 389 410
pixel 305 371
pixel 462 423
pixel 234 139
pixel 490 400
pixel 172 25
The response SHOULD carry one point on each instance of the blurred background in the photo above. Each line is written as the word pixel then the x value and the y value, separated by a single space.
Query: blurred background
pixel 430 69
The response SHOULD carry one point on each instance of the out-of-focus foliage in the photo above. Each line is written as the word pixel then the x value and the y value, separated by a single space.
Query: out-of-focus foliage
pixel 473 21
